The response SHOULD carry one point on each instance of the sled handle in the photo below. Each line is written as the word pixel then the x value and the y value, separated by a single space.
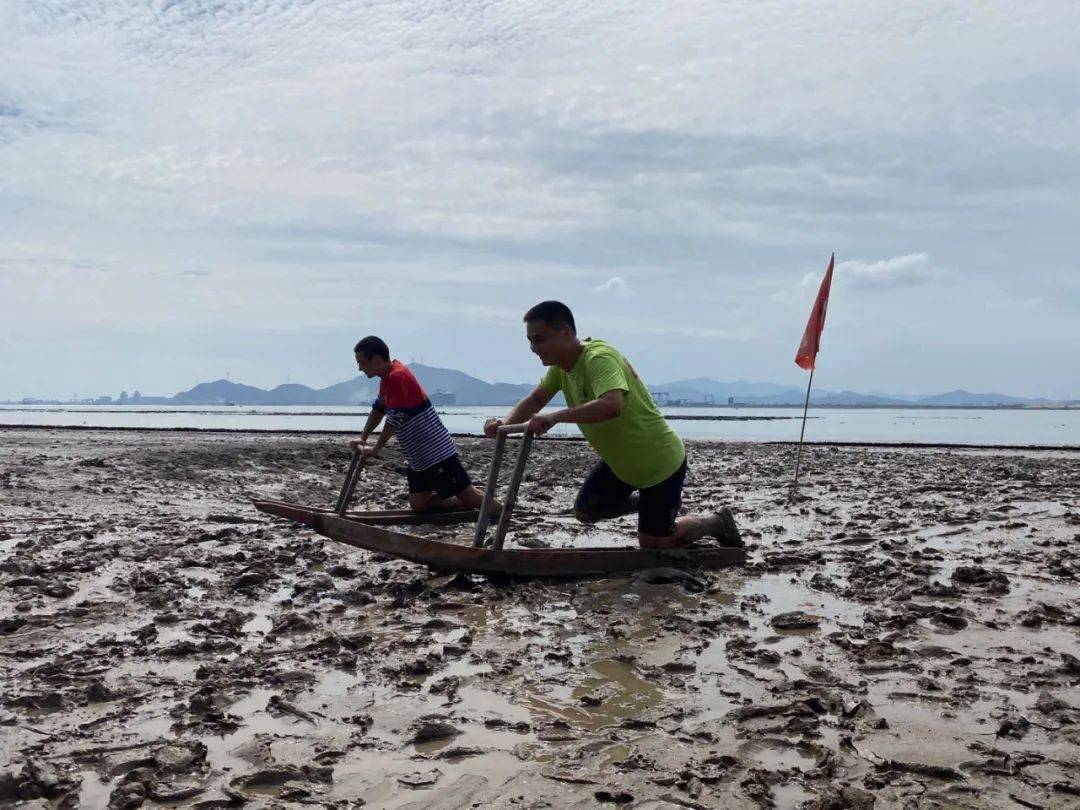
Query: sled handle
pixel 512 492
pixel 507 430
pixel 493 483
pixel 352 477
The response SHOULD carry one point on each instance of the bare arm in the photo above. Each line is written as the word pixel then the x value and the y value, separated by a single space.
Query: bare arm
pixel 606 374
pixel 520 412
pixel 373 420
pixel 528 406
pixel 604 407
pixel 384 437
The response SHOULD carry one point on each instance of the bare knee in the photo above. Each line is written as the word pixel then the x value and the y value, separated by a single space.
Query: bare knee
pixel 419 503
pixel 471 497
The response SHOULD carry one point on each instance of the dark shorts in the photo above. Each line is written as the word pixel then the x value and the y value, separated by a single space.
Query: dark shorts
pixel 605 495
pixel 446 479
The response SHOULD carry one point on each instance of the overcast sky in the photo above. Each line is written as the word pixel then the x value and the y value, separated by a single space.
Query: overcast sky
pixel 195 188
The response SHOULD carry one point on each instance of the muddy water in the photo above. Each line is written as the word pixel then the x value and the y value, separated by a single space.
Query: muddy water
pixel 906 635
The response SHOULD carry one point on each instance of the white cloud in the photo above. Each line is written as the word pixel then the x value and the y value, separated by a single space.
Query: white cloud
pixel 314 161
pixel 616 285
pixel 900 271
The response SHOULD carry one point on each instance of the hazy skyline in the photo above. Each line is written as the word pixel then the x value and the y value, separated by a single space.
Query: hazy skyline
pixel 195 189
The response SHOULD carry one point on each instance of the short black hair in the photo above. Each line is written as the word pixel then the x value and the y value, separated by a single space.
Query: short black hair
pixel 554 314
pixel 371 346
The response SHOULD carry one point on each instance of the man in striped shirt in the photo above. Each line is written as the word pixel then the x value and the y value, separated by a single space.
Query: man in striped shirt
pixel 437 480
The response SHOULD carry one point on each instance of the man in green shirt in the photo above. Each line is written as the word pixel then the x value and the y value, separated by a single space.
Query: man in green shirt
pixel 613 408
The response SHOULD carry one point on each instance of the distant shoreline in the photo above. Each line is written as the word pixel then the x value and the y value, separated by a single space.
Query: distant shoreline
pixel 886 445
pixel 353 414
pixel 60 407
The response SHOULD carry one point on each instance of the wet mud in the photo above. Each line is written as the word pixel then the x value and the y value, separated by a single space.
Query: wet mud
pixel 906 635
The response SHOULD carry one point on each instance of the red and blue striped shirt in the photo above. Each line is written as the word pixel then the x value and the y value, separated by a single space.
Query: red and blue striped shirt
pixel 424 439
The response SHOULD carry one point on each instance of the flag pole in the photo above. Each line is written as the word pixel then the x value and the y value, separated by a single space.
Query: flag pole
pixel 806 357
pixel 802 432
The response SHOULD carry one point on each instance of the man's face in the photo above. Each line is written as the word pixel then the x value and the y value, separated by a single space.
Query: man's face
pixel 365 364
pixel 547 343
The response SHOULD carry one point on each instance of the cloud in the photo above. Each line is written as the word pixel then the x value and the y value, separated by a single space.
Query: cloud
pixel 337 162
pixel 909 270
pixel 616 285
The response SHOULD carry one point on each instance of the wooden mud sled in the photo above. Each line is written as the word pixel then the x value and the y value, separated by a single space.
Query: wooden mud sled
pixel 373 531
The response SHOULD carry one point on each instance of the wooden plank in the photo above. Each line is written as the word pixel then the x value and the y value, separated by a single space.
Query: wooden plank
pixel 571 562
pixel 387 517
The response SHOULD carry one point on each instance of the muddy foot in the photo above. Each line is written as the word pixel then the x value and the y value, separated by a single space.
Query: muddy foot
pixel 725 531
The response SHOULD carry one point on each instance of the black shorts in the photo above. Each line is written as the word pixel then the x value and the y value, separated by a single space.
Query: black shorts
pixel 605 495
pixel 446 479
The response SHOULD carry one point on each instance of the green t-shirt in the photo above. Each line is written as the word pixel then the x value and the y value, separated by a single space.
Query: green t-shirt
pixel 638 444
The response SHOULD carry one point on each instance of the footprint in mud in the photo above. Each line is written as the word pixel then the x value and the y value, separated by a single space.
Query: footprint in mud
pixel 777 754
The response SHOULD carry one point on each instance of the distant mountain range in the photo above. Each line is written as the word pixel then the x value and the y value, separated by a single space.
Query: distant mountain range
pixel 464 389
pixel 448 386
pixel 748 393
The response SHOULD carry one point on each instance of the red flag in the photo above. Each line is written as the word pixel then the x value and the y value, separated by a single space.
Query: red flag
pixel 811 339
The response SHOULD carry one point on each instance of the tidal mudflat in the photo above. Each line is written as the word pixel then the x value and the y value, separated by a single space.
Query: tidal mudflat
pixel 906 635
